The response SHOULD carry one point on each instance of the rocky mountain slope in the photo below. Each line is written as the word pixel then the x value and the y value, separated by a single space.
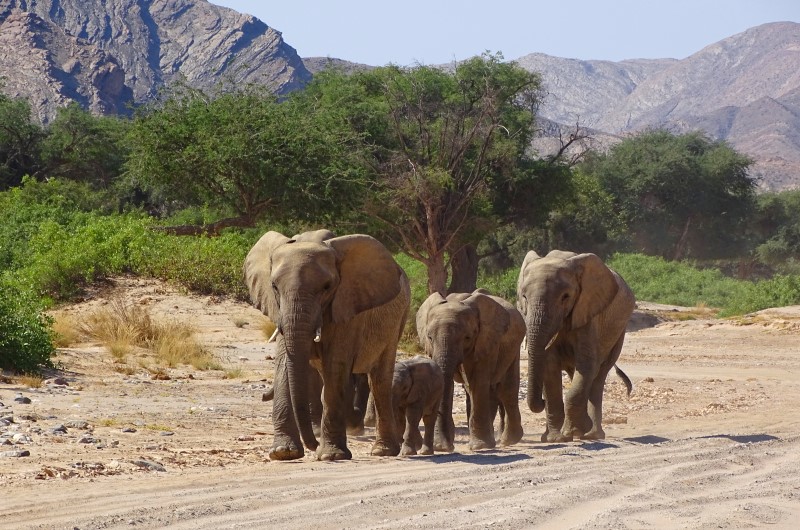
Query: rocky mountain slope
pixel 744 89
pixel 109 53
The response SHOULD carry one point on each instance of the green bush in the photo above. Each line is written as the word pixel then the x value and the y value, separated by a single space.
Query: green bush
pixel 657 280
pixel 65 258
pixel 25 332
pixel 207 265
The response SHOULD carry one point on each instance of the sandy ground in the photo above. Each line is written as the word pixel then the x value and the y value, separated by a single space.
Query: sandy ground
pixel 709 438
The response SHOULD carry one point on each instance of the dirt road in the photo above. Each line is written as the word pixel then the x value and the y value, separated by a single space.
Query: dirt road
pixel 710 438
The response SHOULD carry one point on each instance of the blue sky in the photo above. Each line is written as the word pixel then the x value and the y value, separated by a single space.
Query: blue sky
pixel 407 32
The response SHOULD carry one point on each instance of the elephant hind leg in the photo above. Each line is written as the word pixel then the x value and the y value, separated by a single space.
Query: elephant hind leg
pixel 595 405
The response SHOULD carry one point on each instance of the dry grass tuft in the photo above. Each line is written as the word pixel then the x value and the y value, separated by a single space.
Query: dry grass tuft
pixel 30 380
pixel 120 322
pixel 65 331
pixel 122 326
pixel 267 327
pixel 239 322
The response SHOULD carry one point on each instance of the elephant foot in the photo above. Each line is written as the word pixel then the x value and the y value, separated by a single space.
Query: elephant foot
pixel 426 450
pixel 511 436
pixel 594 434
pixel 477 444
pixel 407 450
pixel 381 448
pixel 555 437
pixel 286 452
pixel 331 453
pixel 443 447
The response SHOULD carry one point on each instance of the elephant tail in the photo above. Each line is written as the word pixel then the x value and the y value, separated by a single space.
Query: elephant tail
pixel 625 379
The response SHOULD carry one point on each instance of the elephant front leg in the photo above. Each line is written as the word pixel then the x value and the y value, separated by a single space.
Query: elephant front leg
pixel 380 382
pixel 333 445
pixel 577 421
pixel 286 444
pixel 554 403
pixel 481 429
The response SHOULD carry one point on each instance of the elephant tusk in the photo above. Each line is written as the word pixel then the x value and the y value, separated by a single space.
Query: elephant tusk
pixel 464 377
pixel 551 341
pixel 274 334
pixel 318 335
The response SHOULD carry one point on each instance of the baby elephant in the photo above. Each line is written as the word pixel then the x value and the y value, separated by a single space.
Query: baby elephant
pixel 417 390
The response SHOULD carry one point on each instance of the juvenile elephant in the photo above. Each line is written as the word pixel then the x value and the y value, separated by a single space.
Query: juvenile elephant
pixel 475 339
pixel 340 304
pixel 417 390
pixel 576 310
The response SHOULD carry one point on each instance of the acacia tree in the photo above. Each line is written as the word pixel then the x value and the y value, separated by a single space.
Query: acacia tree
pixel 680 195
pixel 20 142
pixel 246 152
pixel 439 141
pixel 83 147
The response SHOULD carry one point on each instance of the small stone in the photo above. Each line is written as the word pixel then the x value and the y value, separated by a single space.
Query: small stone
pixel 21 438
pixel 22 399
pixel 77 424
pixel 58 429
pixel 87 439
pixel 166 433
pixel 245 438
pixel 14 454
pixel 128 429
pixel 148 465
pixel 58 381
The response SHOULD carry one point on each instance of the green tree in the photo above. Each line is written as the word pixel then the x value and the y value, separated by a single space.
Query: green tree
pixel 679 195
pixel 248 153
pixel 85 148
pixel 776 229
pixel 20 142
pixel 441 143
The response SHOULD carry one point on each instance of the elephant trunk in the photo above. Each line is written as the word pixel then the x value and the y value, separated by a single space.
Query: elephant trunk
pixel 538 336
pixel 445 430
pixel 298 336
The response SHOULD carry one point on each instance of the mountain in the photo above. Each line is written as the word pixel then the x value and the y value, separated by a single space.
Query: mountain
pixel 108 54
pixel 744 89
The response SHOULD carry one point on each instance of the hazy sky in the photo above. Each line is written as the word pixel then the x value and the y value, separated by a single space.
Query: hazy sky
pixel 406 32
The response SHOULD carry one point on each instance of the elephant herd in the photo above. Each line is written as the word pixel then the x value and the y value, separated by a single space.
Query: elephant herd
pixel 340 305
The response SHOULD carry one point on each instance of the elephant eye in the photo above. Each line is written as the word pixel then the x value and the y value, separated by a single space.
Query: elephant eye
pixel 274 287
pixel 564 297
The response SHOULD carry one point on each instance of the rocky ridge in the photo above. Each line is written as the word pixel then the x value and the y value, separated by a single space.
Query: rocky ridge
pixel 149 43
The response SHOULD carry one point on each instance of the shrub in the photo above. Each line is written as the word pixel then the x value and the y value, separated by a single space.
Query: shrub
pixel 25 332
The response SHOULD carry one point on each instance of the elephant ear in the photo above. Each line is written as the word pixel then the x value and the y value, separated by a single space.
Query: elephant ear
pixel 257 271
pixel 422 315
pixel 598 288
pixel 369 276
pixel 494 322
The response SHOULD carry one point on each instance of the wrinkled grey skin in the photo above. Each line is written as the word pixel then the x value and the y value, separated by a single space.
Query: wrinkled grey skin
pixel 576 310
pixel 355 415
pixel 477 336
pixel 351 290
pixel 417 390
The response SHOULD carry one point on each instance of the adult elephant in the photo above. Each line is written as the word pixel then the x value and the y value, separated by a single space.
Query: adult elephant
pixel 576 310
pixel 340 304
pixel 475 339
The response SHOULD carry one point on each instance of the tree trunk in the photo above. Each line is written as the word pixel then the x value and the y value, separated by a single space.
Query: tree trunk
pixel 437 275
pixel 680 248
pixel 464 265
